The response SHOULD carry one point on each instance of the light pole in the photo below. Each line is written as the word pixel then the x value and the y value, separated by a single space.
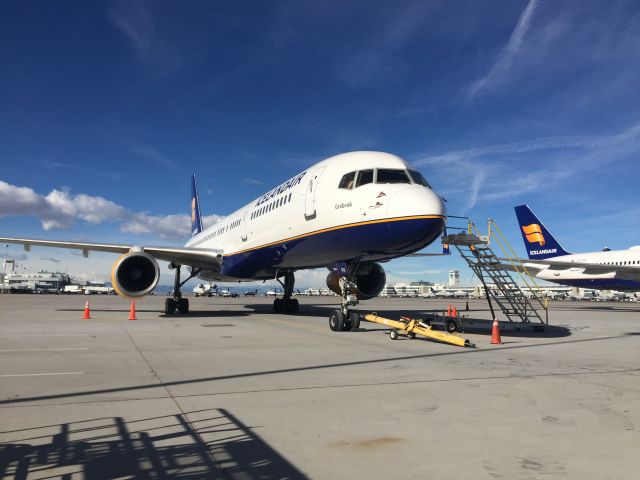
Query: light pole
pixel 4 269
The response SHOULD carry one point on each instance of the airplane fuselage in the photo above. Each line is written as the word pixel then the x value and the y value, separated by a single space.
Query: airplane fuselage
pixel 322 216
pixel 584 278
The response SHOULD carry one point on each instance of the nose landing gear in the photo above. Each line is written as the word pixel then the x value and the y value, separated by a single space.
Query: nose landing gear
pixel 343 319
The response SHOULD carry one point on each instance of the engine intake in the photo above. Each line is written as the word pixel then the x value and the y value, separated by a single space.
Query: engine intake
pixel 369 278
pixel 135 274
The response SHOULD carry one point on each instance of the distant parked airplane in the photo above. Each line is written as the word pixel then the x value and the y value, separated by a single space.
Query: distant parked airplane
pixel 606 270
pixel 346 213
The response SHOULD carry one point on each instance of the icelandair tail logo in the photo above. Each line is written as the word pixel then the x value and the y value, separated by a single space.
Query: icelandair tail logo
pixel 533 233
pixel 193 210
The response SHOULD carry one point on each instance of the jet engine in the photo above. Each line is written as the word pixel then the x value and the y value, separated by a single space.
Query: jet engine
pixel 369 278
pixel 135 274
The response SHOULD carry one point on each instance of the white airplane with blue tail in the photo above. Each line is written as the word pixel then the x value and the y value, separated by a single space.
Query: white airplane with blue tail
pixel 347 213
pixel 548 260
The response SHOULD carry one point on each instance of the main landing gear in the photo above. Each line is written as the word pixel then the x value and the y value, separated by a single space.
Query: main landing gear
pixel 286 304
pixel 176 301
pixel 343 319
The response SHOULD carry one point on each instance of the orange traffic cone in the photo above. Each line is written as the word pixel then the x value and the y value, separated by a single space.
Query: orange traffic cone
pixel 495 333
pixel 132 312
pixel 448 310
pixel 454 311
pixel 87 312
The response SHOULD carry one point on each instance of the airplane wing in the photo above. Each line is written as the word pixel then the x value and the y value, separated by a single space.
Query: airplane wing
pixel 621 271
pixel 195 257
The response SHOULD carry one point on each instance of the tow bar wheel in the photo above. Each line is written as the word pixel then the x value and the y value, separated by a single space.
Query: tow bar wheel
pixel 451 325
pixel 336 320
pixel 393 334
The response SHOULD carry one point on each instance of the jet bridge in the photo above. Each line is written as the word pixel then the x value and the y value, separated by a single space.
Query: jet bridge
pixel 476 250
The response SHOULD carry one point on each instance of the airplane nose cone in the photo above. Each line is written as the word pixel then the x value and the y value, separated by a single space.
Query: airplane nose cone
pixel 419 217
pixel 415 201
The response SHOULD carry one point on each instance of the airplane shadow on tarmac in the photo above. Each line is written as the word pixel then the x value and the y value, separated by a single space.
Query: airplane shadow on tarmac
pixel 480 325
pixel 204 444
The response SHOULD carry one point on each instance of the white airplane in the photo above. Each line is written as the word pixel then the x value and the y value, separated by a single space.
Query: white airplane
pixel 205 289
pixel 606 270
pixel 346 213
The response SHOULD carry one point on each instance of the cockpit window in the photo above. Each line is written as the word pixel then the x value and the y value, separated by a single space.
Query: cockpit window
pixel 392 176
pixel 418 178
pixel 347 180
pixel 364 177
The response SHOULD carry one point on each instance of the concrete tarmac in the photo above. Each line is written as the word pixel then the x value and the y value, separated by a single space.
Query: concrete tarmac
pixel 235 391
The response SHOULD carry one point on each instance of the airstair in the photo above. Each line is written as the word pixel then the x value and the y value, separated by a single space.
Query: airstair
pixel 498 283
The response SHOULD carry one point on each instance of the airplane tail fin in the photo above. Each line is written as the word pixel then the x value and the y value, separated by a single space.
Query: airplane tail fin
pixel 538 241
pixel 196 219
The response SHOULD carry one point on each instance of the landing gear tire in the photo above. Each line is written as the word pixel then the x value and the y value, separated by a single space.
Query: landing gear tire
pixel 169 306
pixel 451 325
pixel 278 306
pixel 355 321
pixel 293 306
pixel 336 321
pixel 284 305
pixel 393 335
pixel 183 305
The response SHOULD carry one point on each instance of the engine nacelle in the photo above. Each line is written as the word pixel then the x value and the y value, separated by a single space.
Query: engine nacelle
pixel 369 279
pixel 135 274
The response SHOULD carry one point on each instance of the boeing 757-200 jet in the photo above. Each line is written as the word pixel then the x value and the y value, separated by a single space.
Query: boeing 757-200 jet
pixel 347 213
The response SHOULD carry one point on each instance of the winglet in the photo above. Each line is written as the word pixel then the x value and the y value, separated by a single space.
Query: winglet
pixel 196 219
pixel 538 241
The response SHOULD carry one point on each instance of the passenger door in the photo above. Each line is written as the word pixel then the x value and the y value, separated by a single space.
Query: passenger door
pixel 311 192
pixel 243 225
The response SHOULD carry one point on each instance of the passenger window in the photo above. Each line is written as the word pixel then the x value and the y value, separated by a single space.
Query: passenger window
pixel 364 177
pixel 347 180
pixel 418 178
pixel 392 176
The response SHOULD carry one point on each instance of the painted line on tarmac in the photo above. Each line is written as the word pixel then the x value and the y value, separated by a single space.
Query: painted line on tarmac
pixel 44 349
pixel 51 335
pixel 40 374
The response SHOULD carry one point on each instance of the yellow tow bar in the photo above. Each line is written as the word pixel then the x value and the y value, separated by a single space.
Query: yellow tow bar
pixel 412 327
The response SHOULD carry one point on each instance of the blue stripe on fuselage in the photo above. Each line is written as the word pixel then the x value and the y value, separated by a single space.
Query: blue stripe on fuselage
pixel 358 242
pixel 620 284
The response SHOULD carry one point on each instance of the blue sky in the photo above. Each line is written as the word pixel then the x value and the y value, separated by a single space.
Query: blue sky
pixel 107 108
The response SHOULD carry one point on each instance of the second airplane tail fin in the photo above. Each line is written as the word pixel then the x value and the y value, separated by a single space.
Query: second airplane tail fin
pixel 196 219
pixel 540 244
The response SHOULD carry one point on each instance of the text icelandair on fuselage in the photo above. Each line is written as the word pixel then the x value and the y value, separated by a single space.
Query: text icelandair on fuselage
pixel 281 189
pixel 543 252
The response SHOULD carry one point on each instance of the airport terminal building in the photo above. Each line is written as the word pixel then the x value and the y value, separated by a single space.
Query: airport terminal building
pixel 40 282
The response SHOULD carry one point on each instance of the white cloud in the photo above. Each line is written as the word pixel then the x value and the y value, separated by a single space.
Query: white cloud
pixel 498 172
pixel 499 71
pixel 60 209
pixel 136 22
pixel 167 226
pixel 150 153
